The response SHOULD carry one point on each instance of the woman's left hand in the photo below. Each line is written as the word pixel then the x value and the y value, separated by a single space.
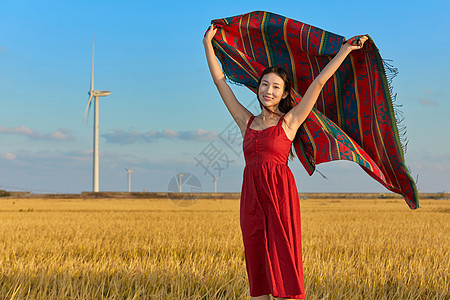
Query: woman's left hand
pixel 355 43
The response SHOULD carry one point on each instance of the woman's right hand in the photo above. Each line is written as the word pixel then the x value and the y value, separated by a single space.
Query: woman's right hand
pixel 210 34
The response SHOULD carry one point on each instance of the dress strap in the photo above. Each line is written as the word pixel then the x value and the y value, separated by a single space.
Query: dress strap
pixel 250 121
pixel 281 118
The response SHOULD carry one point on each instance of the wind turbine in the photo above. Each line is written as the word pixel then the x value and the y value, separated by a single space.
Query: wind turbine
pixel 179 182
pixel 215 183
pixel 95 94
pixel 129 179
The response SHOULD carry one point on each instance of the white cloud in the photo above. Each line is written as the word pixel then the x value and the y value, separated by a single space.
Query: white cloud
pixel 9 156
pixel 170 133
pixel 122 137
pixel 428 102
pixel 17 130
pixel 59 135
pixel 431 98
pixel 198 135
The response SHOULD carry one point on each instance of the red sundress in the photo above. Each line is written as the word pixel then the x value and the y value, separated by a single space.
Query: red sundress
pixel 270 215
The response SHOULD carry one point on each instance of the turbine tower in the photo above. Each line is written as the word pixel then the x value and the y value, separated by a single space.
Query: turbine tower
pixel 129 179
pixel 95 94
pixel 179 181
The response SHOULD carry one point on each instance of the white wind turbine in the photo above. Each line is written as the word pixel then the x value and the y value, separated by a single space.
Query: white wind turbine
pixel 129 179
pixel 215 183
pixel 95 94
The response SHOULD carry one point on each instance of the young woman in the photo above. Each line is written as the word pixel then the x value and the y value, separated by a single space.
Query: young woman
pixel 270 209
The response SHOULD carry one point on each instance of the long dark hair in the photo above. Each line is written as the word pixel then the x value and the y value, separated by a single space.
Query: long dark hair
pixel 287 103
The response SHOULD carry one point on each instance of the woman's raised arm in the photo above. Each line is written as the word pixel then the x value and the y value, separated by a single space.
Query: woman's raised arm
pixel 239 113
pixel 297 115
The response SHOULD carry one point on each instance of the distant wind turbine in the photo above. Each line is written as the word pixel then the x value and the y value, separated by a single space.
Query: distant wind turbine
pixel 95 94
pixel 129 179
pixel 179 181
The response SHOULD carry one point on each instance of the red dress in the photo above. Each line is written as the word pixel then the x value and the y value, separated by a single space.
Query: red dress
pixel 270 215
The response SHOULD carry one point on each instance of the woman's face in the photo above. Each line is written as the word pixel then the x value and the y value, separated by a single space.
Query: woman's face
pixel 271 90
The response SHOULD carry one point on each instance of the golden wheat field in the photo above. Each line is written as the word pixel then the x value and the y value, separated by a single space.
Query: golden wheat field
pixel 156 249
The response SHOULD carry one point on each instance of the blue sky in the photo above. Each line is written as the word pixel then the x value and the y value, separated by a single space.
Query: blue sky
pixel 164 112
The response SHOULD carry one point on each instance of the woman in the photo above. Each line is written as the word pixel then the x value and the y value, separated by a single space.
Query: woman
pixel 270 210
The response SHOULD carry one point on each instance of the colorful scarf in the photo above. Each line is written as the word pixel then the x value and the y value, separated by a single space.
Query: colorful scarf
pixel 353 118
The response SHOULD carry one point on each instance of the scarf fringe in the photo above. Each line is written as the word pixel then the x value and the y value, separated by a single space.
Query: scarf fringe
pixel 321 174
pixel 391 72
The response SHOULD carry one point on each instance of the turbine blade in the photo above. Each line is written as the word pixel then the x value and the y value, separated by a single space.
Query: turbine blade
pixel 88 107
pixel 92 69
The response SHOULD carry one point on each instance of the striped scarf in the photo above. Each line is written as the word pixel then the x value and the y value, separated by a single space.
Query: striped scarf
pixel 353 118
